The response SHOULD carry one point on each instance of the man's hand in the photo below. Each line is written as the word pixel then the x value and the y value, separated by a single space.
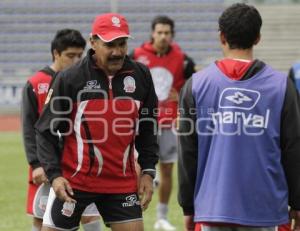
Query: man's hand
pixel 62 189
pixel 39 176
pixel 295 215
pixel 145 190
pixel 189 224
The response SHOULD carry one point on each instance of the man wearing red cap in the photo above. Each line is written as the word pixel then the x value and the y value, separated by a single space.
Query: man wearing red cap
pixel 104 107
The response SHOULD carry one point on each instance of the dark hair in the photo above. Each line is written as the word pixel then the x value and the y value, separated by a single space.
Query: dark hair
pixel 240 24
pixel 162 19
pixel 66 38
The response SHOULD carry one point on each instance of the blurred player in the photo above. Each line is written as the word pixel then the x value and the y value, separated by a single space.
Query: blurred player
pixel 169 67
pixel 66 48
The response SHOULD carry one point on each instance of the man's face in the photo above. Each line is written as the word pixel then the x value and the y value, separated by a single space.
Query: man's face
pixel 110 56
pixel 68 57
pixel 162 35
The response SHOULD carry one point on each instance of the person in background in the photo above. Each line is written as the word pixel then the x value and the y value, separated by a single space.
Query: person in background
pixel 170 68
pixel 66 48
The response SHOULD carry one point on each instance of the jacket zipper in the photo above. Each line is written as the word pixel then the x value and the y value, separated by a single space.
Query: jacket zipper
pixel 110 87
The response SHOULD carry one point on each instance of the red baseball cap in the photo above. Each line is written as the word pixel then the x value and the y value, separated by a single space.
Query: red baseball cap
pixel 110 26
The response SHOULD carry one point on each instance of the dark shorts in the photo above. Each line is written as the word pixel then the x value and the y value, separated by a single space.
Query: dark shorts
pixel 114 208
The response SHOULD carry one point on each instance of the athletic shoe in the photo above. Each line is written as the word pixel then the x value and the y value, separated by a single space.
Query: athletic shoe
pixel 163 224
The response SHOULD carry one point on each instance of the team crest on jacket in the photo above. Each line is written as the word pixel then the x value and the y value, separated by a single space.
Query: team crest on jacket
pixel 68 209
pixel 129 84
pixel 43 88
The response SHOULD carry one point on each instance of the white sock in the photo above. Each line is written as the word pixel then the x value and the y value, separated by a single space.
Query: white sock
pixel 34 228
pixel 92 226
pixel 162 211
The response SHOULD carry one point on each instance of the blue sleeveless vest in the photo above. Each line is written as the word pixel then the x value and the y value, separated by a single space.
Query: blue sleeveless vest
pixel 240 178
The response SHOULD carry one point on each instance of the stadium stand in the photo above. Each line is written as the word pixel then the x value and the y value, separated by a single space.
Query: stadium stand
pixel 27 27
pixel 280 44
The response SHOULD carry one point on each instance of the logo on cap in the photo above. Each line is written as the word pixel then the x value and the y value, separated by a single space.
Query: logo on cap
pixel 116 21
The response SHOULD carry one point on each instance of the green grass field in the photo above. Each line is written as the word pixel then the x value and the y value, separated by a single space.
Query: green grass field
pixel 13 189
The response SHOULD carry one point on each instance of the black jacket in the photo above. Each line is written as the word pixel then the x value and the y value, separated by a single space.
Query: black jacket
pixel 80 99
pixel 33 96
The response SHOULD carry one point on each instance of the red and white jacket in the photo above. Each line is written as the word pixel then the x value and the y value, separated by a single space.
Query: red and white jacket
pixel 98 117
